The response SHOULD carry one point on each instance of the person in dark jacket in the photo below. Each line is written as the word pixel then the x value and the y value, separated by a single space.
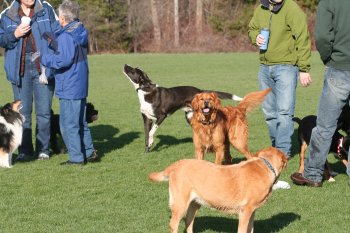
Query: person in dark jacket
pixel 71 75
pixel 332 36
pixel 21 27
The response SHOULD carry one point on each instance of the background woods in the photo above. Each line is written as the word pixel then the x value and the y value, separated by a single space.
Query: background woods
pixel 170 25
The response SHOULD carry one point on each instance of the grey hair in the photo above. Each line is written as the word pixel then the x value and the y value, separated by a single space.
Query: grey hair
pixel 69 10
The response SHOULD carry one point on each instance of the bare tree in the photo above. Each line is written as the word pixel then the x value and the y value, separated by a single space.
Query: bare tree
pixel 199 15
pixel 176 24
pixel 156 27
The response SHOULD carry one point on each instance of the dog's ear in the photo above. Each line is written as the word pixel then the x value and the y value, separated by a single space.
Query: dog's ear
pixel 217 101
pixel 195 102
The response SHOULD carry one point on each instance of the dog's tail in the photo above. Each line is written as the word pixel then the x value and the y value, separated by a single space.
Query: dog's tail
pixel 296 119
pixel 225 95
pixel 253 99
pixel 163 175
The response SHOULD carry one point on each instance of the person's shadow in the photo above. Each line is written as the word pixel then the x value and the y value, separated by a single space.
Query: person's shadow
pixel 221 224
pixel 106 138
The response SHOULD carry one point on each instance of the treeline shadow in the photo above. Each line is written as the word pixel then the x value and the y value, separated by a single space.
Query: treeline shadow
pixel 221 224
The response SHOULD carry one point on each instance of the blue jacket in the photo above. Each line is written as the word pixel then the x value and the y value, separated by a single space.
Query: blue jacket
pixel 70 61
pixel 43 20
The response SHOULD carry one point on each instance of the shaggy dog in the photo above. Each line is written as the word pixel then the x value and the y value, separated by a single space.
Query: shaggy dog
pixel 215 127
pixel 11 122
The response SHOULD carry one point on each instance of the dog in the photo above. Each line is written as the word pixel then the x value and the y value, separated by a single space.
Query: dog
pixel 91 116
pixel 234 189
pixel 215 127
pixel 339 145
pixel 157 102
pixel 11 121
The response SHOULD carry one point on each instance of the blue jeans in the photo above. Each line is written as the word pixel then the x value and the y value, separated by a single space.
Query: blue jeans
pixel 30 89
pixel 279 105
pixel 335 94
pixel 74 129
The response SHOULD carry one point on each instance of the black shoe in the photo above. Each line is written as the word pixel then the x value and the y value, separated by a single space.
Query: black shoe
pixel 298 178
pixel 68 162
pixel 23 158
pixel 93 158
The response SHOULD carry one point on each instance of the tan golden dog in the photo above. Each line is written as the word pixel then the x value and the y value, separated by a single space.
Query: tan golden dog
pixel 235 189
pixel 215 127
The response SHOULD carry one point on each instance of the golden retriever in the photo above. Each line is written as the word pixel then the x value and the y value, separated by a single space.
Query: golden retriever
pixel 235 189
pixel 215 127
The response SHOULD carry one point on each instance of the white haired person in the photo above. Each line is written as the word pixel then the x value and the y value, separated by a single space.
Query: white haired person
pixel 71 75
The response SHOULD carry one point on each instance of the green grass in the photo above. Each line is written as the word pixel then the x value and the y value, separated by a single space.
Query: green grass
pixel 114 195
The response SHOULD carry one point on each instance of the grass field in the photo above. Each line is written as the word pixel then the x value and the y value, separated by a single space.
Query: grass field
pixel 114 195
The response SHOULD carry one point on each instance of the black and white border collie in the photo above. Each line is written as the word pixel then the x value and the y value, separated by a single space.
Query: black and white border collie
pixel 159 102
pixel 11 122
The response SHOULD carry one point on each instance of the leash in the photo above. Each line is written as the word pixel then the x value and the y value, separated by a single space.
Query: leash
pixel 268 164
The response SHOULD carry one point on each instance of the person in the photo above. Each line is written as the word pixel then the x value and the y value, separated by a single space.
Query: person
pixel 21 28
pixel 70 63
pixel 287 56
pixel 332 37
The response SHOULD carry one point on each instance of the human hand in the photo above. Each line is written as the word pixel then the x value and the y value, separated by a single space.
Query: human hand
pixel 42 77
pixel 305 79
pixel 22 30
pixel 260 40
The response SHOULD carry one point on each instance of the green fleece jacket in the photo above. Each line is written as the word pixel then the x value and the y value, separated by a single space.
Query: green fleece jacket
pixel 332 33
pixel 289 41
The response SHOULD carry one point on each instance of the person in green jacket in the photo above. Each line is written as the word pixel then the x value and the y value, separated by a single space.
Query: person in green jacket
pixel 332 37
pixel 287 57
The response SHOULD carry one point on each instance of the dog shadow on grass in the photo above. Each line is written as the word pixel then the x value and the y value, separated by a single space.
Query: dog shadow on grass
pixel 219 224
pixel 166 141
pixel 105 139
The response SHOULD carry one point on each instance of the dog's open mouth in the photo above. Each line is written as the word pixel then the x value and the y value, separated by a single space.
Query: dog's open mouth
pixel 206 111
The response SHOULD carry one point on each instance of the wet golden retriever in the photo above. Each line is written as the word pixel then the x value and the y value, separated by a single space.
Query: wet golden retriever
pixel 215 127
pixel 235 189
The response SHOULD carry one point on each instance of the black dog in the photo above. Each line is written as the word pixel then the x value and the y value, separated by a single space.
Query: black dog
pixel 91 116
pixel 159 102
pixel 340 143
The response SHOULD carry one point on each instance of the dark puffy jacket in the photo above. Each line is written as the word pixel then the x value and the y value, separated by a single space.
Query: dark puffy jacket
pixel 70 62
pixel 43 20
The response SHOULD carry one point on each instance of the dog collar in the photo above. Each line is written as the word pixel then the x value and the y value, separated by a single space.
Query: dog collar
pixel 268 164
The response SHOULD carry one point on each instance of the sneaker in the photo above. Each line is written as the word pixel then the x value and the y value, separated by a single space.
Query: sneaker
pixel 281 185
pixel 43 156
pixel 23 158
pixel 93 157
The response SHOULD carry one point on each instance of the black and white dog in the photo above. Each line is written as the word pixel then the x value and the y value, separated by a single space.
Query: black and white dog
pixel 159 102
pixel 11 122
pixel 91 116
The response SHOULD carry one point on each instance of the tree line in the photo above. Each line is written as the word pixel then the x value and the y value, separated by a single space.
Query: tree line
pixel 169 25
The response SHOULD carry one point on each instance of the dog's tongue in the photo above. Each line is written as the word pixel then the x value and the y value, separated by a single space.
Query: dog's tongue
pixel 206 110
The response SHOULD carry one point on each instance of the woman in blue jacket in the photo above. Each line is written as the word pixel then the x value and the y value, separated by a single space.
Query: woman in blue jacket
pixel 22 42
pixel 71 74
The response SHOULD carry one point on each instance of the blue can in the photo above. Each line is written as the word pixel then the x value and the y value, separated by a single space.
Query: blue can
pixel 265 32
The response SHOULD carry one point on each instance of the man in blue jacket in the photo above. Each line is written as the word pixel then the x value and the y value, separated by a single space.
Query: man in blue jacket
pixel 332 36
pixel 71 75
pixel 22 40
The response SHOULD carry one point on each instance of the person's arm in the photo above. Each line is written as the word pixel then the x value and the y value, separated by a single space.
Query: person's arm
pixel 324 33
pixel 296 20
pixel 8 40
pixel 64 55
pixel 253 28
